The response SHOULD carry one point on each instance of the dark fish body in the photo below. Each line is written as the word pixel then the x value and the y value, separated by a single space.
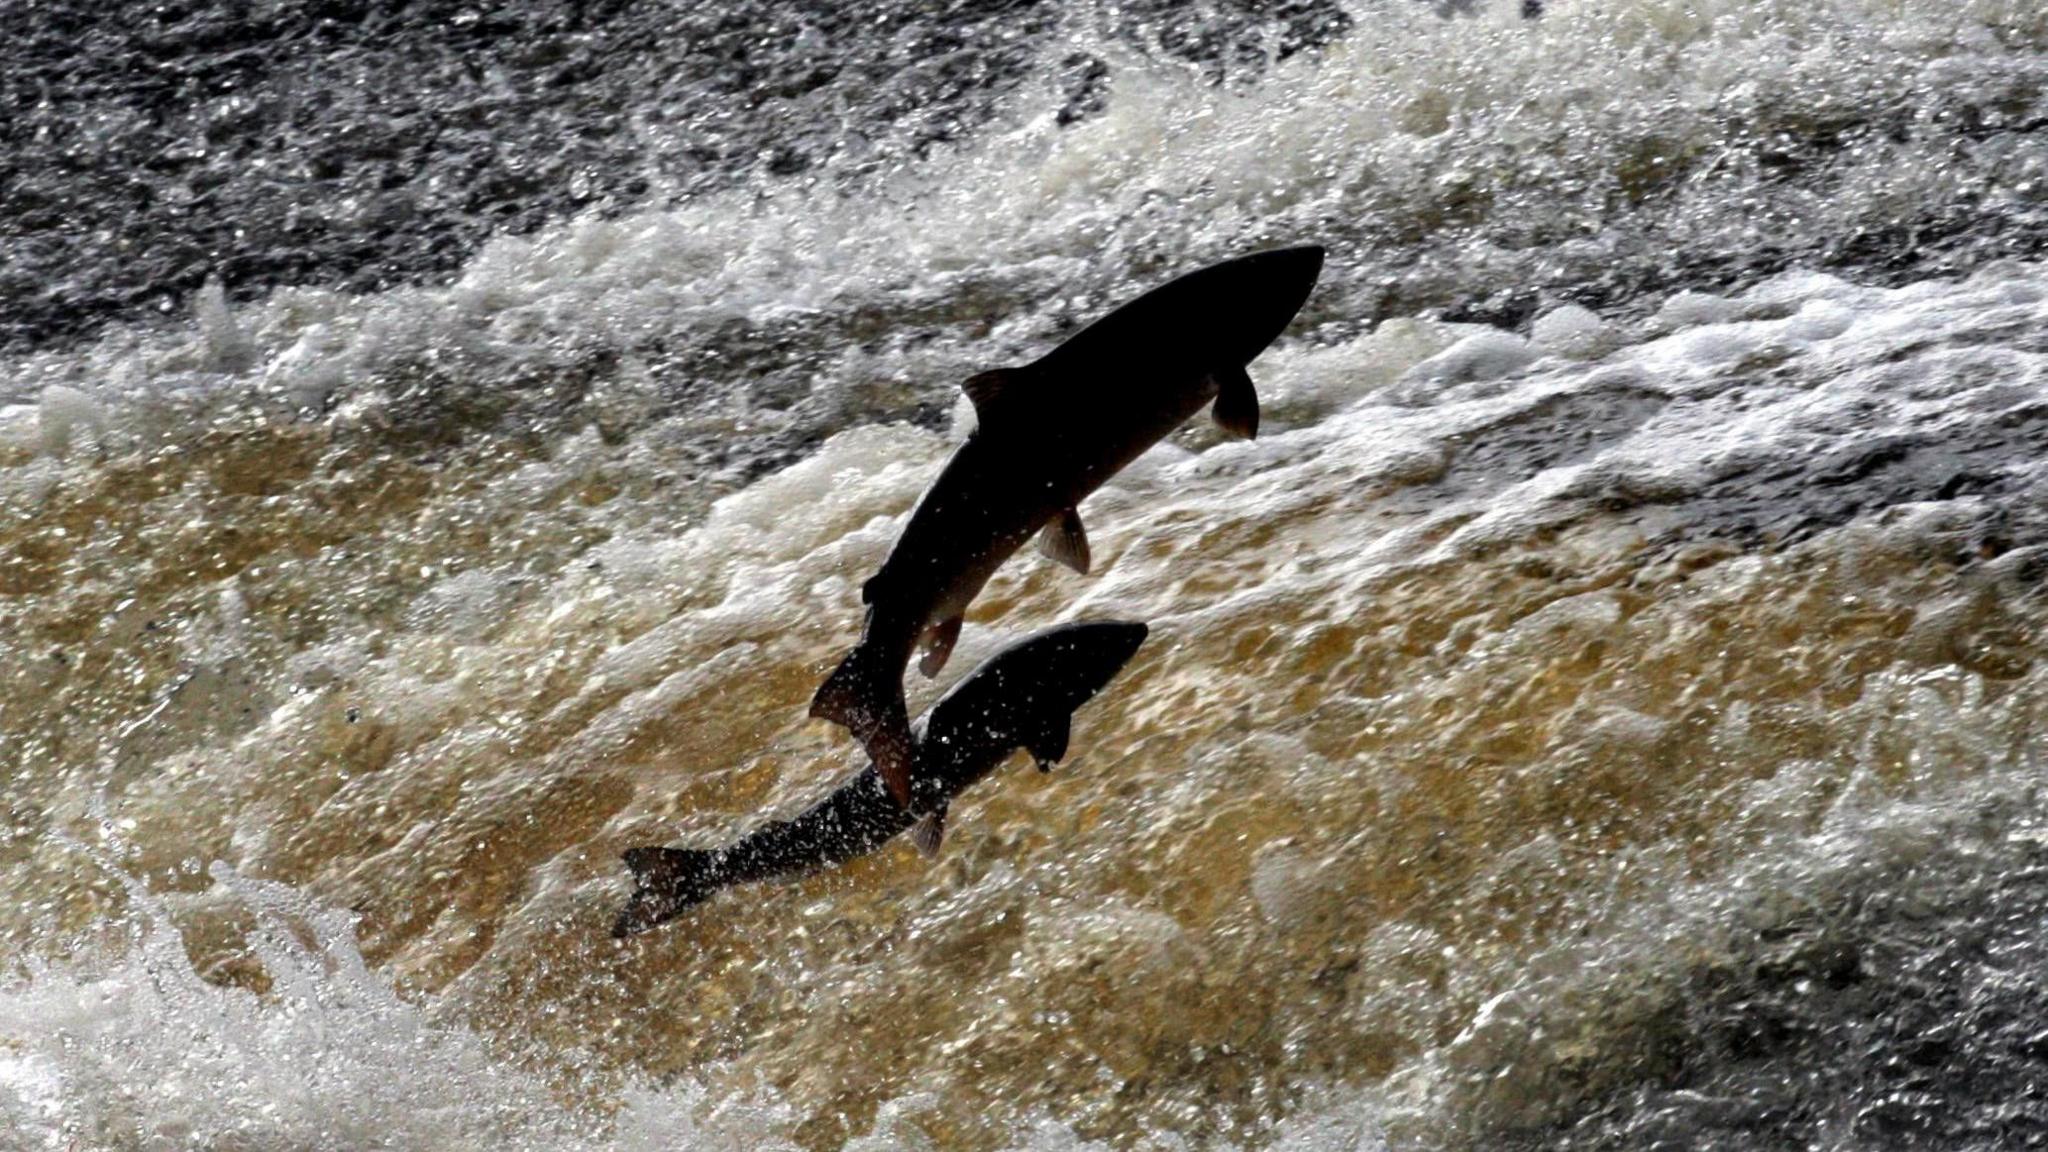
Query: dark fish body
pixel 1221 315
pixel 1048 434
pixel 1022 697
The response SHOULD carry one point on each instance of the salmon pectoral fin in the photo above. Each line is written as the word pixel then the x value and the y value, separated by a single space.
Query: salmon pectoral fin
pixel 938 645
pixel 1065 540
pixel 929 832
pixel 667 881
pixel 1237 403
pixel 1049 745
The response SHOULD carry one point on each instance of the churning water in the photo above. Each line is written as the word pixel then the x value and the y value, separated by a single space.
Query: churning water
pixel 1605 708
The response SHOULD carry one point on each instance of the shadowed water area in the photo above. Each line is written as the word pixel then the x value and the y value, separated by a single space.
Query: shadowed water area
pixel 1608 724
pixel 362 145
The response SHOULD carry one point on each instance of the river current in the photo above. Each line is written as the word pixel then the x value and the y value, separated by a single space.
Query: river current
pixel 1604 708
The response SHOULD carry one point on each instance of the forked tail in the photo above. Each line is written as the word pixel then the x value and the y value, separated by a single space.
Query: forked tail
pixel 669 881
pixel 865 696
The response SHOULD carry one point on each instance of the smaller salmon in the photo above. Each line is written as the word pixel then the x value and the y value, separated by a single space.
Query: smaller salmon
pixel 1022 697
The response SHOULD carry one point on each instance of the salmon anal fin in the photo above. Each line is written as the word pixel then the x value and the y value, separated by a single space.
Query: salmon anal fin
pixel 992 391
pixel 938 645
pixel 1049 746
pixel 1065 540
pixel 929 832
pixel 1237 403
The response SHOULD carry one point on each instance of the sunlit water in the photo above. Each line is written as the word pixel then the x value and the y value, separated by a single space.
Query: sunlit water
pixel 1616 726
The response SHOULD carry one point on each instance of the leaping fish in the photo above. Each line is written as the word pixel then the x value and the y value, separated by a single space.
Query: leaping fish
pixel 1049 433
pixel 1022 697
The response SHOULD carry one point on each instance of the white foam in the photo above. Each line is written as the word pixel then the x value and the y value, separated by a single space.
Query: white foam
pixel 228 348
pixel 21 431
pixel 140 1052
pixel 1688 308
pixel 1482 357
pixel 1575 332
pixel 1049 220
pixel 65 415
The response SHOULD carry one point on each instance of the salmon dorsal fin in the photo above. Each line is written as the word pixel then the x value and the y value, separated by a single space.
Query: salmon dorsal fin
pixel 993 391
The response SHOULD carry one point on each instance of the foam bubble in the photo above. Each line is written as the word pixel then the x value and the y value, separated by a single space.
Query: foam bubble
pixel 1482 357
pixel 1575 332
pixel 67 414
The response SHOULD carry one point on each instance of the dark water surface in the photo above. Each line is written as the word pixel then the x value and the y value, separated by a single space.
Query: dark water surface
pixel 363 145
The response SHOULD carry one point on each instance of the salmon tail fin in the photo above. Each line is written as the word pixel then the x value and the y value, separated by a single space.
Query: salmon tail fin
pixel 667 881
pixel 864 695
pixel 854 691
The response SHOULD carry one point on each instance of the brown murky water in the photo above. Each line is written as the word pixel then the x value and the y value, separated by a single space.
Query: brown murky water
pixel 1422 742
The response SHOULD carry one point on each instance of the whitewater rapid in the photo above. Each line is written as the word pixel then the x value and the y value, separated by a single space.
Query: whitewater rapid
pixel 1610 683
